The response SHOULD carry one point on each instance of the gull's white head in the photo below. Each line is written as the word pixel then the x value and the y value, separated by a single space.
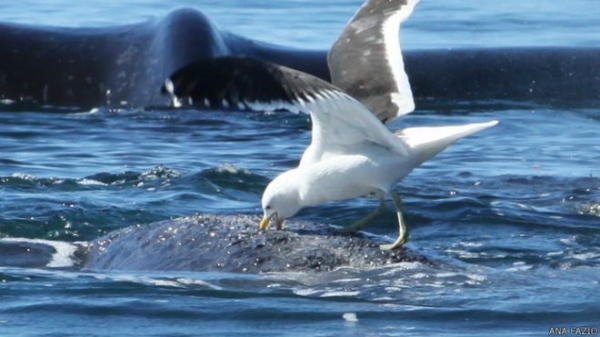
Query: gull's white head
pixel 281 199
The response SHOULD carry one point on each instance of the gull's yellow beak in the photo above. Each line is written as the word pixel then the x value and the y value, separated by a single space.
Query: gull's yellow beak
pixel 264 223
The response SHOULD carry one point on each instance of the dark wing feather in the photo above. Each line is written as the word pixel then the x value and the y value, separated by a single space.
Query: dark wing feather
pixel 366 61
pixel 239 82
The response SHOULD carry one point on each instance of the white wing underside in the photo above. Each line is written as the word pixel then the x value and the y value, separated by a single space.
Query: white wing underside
pixel 403 99
pixel 340 122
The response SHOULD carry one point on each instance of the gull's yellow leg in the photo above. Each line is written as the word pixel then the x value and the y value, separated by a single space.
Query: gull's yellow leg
pixel 403 232
pixel 278 224
pixel 358 225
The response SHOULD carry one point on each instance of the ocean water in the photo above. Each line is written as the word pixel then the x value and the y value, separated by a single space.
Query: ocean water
pixel 511 215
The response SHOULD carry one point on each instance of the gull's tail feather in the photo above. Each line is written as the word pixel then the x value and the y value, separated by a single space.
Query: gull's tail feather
pixel 426 142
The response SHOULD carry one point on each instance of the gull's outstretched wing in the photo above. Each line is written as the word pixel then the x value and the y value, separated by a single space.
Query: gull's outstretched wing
pixel 242 82
pixel 366 59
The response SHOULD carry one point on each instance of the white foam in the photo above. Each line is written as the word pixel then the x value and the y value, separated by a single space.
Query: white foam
pixel 63 256
pixel 348 280
pixel 446 274
pixel 519 266
pixel 196 282
pixel 340 294
pixel 305 292
pixel 90 182
pixel 232 169
pixel 404 266
pixel 585 256
pixel 420 276
pixel 472 244
pixel 350 317
pixel 23 176
pixel 159 282
pixel 475 279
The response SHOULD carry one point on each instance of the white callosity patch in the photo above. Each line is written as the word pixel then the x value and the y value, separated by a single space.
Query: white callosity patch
pixel 170 88
pixel 63 256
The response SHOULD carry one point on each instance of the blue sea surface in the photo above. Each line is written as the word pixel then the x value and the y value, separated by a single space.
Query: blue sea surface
pixel 511 214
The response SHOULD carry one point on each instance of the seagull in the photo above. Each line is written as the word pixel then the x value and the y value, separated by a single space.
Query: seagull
pixel 352 153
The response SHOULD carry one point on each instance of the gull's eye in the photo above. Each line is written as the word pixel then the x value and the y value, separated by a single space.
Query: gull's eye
pixel 268 207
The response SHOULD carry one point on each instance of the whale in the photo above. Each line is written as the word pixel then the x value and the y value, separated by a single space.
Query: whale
pixel 232 243
pixel 210 242
pixel 48 68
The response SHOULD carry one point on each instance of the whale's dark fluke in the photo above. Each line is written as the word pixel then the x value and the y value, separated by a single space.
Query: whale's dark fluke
pixel 81 68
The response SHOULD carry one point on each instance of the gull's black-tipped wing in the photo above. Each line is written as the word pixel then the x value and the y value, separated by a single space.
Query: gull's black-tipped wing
pixel 243 83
